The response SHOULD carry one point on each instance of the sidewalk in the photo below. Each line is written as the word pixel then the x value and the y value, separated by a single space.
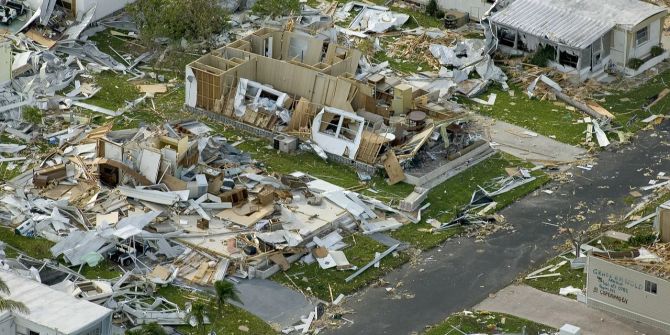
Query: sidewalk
pixel 555 311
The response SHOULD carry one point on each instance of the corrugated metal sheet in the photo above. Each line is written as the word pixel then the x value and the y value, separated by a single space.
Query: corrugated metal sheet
pixel 557 24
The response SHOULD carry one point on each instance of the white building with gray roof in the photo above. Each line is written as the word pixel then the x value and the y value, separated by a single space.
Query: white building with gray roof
pixel 52 312
pixel 584 37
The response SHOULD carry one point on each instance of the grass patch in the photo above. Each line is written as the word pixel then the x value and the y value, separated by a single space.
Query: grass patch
pixel 311 279
pixel 233 317
pixel 105 270
pixel 401 65
pixel 482 322
pixel 448 199
pixel 116 91
pixel 626 105
pixel 543 117
pixel 107 43
pixel 33 247
pixel 418 18
pixel 569 277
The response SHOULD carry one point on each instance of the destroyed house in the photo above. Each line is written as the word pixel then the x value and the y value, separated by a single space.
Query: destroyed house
pixel 584 37
pixel 633 284
pixel 52 312
pixel 294 87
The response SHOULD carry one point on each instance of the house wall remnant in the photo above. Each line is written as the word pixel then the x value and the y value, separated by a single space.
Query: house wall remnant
pixel 627 292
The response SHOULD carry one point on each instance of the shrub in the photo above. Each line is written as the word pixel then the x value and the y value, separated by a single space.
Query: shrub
pixel 274 8
pixel 543 55
pixel 656 50
pixel 431 8
pixel 174 19
pixel 635 63
pixel 640 240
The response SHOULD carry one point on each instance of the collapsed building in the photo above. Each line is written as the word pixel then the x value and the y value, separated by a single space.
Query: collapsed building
pixel 292 87
pixel 46 22
pixel 586 37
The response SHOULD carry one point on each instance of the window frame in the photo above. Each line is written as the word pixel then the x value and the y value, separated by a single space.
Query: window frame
pixel 646 36
pixel 650 287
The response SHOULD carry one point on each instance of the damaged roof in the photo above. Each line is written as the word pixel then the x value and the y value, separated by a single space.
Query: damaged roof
pixel 575 23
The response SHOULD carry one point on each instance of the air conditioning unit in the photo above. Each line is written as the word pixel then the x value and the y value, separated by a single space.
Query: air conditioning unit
pixel 285 143
pixel 454 19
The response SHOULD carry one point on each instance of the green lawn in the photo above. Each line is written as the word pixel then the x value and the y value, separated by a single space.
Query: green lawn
pixel 569 277
pixel 34 247
pixel 115 91
pixel 482 322
pixel 627 104
pixel 418 18
pixel 406 66
pixel 230 321
pixel 312 280
pixel 105 270
pixel 549 118
pixel 448 198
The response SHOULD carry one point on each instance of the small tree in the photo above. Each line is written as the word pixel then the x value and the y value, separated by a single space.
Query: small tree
pixel 200 313
pixel 174 19
pixel 275 8
pixel 576 237
pixel 225 291
pixel 10 305
pixel 431 8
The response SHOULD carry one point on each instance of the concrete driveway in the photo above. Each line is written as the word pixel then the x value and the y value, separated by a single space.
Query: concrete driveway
pixel 555 311
pixel 519 142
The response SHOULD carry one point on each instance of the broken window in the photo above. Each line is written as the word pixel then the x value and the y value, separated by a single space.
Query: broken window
pixel 340 126
pixel 324 52
pixel 596 51
pixel 267 47
pixel 650 287
pixel 567 58
pixel 506 37
pixel 521 43
pixel 642 36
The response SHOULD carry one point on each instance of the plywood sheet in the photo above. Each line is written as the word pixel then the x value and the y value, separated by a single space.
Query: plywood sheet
pixel 245 220
pixel 393 169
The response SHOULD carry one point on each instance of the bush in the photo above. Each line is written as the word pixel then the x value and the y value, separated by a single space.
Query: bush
pixel 174 19
pixel 543 55
pixel 656 50
pixel 635 63
pixel 431 8
pixel 274 8
pixel 641 240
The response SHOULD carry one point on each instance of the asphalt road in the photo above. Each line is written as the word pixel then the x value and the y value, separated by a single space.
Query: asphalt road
pixel 462 273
